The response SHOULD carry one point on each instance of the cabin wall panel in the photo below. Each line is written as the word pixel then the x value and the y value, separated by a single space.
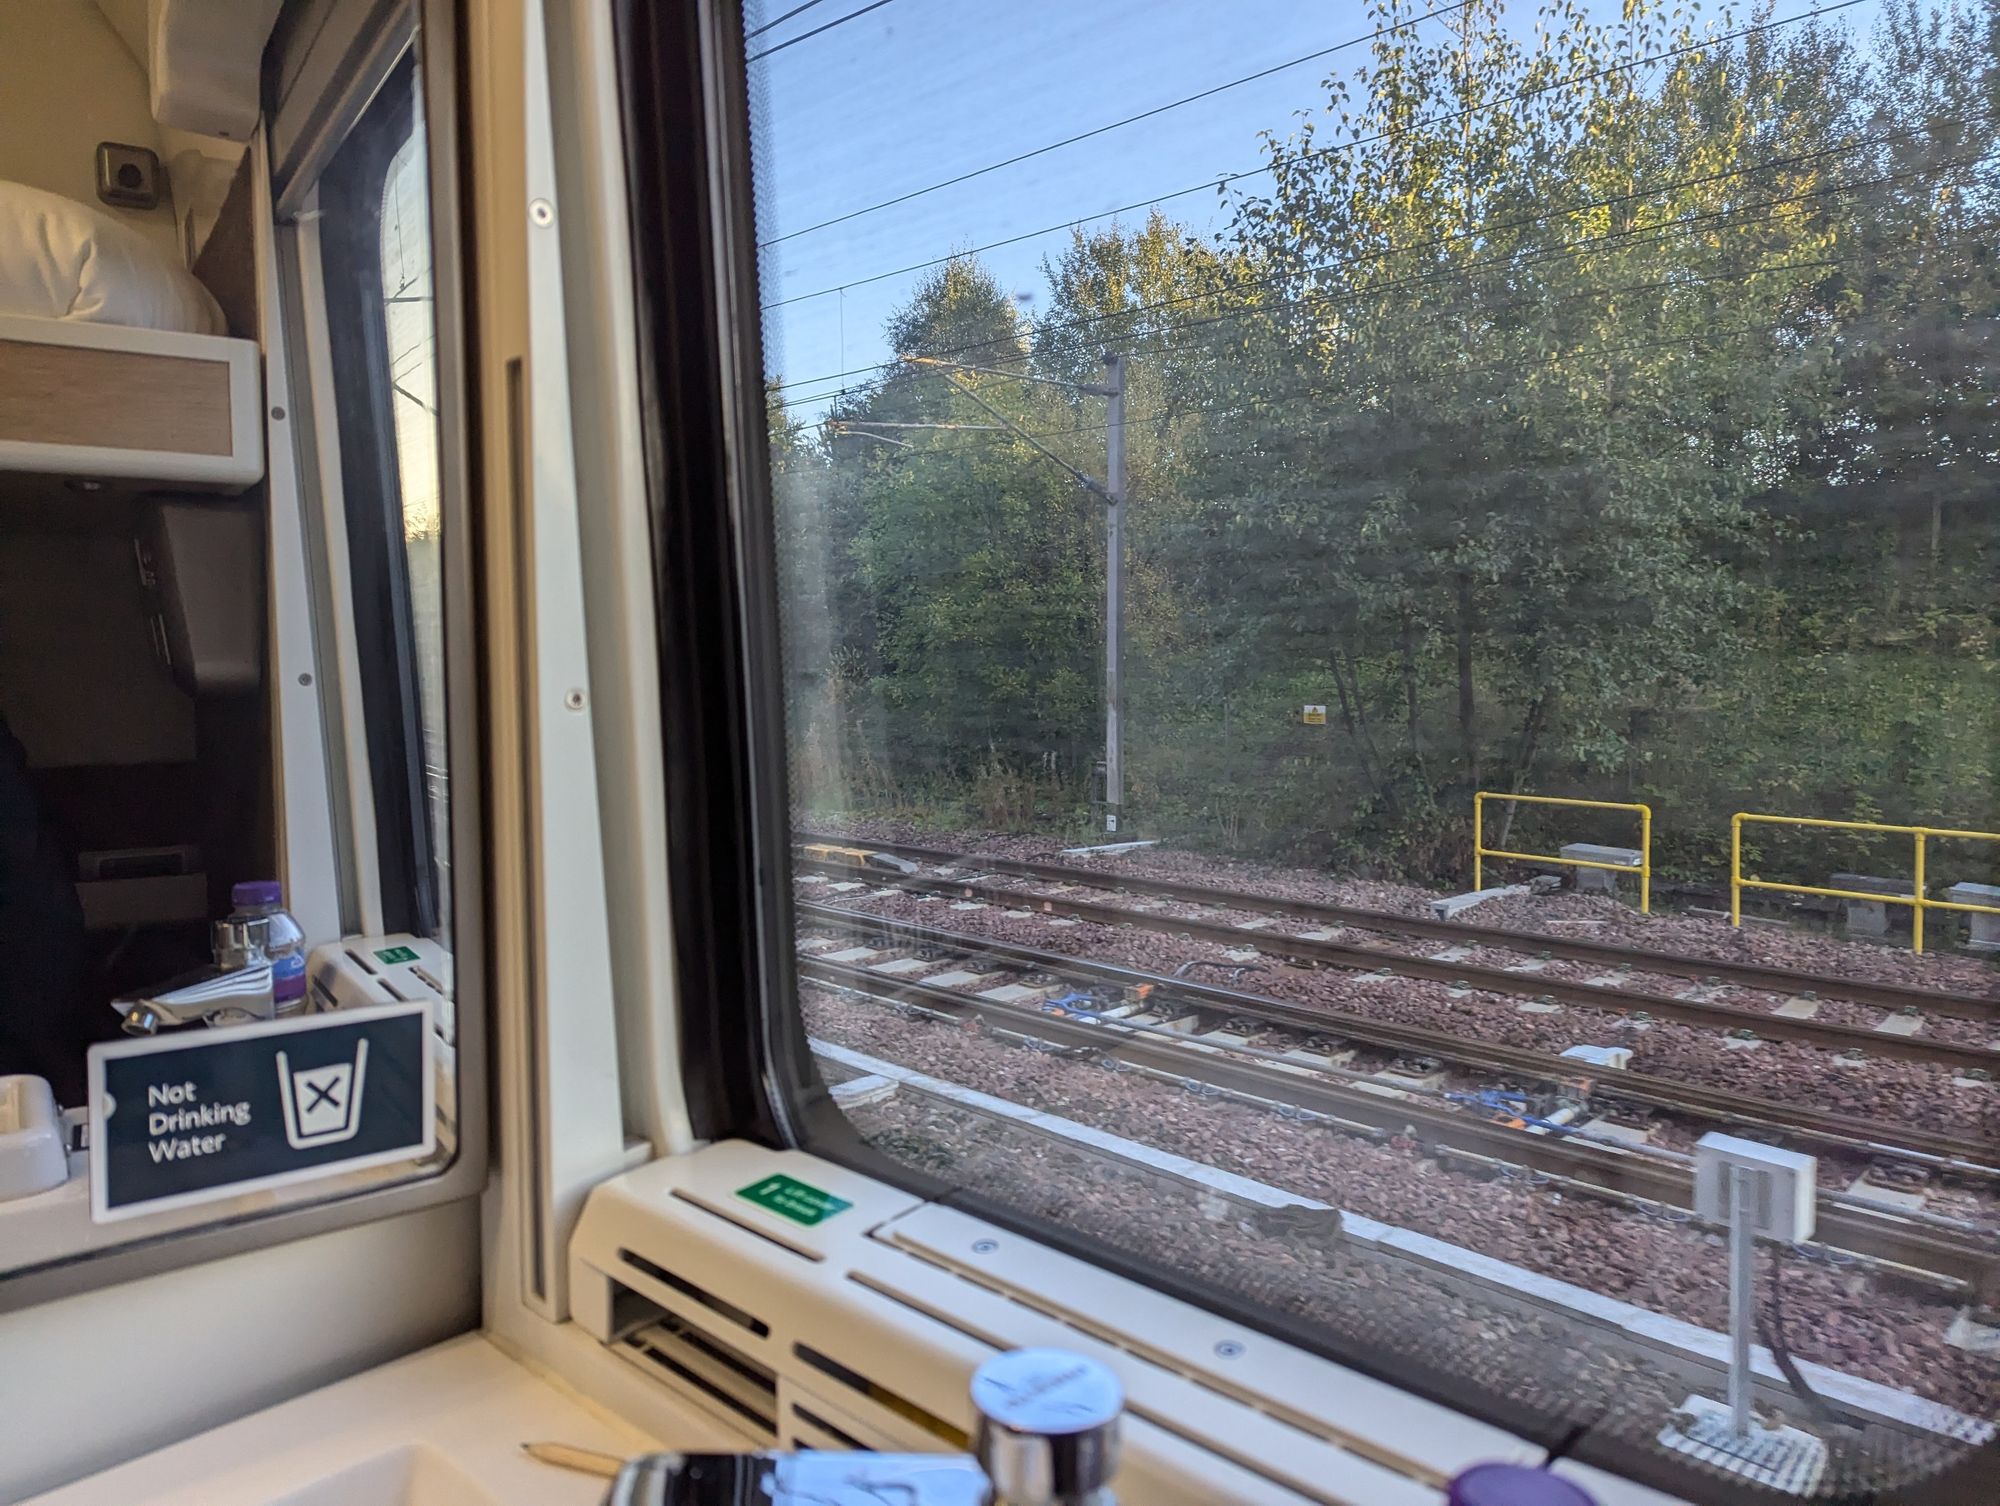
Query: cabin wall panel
pixel 68 82
pixel 79 680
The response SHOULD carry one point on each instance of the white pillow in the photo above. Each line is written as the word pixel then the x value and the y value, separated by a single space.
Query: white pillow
pixel 63 260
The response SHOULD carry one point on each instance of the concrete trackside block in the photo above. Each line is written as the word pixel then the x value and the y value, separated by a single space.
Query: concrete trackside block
pixel 1867 917
pixel 1985 928
pixel 858 1092
pixel 1457 904
pixel 1599 880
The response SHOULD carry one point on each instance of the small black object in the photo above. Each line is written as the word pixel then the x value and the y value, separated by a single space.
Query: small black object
pixel 128 176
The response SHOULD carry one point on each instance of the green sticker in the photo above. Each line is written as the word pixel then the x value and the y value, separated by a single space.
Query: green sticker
pixel 790 1198
pixel 396 954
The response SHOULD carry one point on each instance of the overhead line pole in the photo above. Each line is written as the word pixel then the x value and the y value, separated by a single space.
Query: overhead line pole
pixel 1114 589
pixel 1111 491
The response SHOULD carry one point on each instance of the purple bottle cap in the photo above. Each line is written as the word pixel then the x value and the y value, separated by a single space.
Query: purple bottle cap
pixel 1515 1485
pixel 257 892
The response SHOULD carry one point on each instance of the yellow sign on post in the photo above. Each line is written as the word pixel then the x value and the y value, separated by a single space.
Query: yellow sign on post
pixel 1315 716
pixel 1917 899
pixel 1480 851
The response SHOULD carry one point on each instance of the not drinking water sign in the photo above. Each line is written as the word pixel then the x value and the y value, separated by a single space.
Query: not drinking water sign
pixel 205 1114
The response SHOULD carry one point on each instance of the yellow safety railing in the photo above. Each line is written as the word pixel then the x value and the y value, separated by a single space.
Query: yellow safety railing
pixel 1917 899
pixel 1480 851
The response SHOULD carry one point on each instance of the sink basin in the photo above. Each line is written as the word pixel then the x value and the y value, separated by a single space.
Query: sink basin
pixel 414 1475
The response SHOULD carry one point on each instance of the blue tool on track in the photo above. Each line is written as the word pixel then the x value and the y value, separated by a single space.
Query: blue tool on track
pixel 1510 1109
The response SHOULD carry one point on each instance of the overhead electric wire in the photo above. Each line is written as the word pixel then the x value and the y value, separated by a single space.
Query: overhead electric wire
pixel 1294 439
pixel 1485 231
pixel 797 10
pixel 1695 337
pixel 1511 363
pixel 1511 263
pixel 1584 206
pixel 1678 283
pixel 806 36
pixel 1312 152
pixel 1506 262
pixel 994 167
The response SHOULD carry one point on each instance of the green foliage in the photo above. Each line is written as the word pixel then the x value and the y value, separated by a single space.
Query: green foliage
pixel 1608 412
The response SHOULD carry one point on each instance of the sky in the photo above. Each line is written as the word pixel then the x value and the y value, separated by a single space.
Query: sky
pixel 909 93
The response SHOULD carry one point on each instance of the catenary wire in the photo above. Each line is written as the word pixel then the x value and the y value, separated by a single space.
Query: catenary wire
pixel 1293 440
pixel 776 22
pixel 1485 231
pixel 1609 242
pixel 1602 349
pixel 994 167
pixel 1227 179
pixel 807 36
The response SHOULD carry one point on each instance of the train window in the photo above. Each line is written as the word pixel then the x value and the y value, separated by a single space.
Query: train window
pixel 407 310
pixel 1386 638
pixel 381 333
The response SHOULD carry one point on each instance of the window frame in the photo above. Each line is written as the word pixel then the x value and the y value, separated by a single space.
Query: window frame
pixel 685 96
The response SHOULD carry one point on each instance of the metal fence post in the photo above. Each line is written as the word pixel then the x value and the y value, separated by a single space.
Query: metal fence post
pixel 1736 869
pixel 1917 910
pixel 1645 860
pixel 1478 836
pixel 1742 1294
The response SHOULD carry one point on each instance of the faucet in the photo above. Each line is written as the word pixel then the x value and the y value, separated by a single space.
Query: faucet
pixel 210 995
pixel 1047 1436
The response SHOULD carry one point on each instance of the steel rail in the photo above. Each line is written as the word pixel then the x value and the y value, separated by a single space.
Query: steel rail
pixel 1848 1132
pixel 1479 976
pixel 1624 1175
pixel 1701 969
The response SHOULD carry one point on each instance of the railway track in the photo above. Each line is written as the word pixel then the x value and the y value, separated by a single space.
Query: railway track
pixel 1707 971
pixel 1677 1355
pixel 1465 1140
pixel 1799 1123
pixel 1312 950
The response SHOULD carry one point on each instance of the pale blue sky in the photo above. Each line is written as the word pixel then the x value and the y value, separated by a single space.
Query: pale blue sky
pixel 913 92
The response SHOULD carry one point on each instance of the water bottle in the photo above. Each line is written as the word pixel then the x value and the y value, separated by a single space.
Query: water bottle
pixel 284 942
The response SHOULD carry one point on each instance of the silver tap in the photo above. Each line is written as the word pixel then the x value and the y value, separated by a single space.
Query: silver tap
pixel 210 995
pixel 1047 1436
pixel 1048 1428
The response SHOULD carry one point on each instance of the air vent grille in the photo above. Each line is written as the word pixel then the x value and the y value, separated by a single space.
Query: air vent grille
pixel 693 1293
pixel 890 1401
pixel 742 1391
pixel 824 1433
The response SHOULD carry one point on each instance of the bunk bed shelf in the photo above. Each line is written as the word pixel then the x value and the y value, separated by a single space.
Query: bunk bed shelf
pixel 107 402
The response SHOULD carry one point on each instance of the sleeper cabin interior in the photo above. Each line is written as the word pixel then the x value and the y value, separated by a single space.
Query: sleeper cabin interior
pixel 999 753
pixel 134 516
